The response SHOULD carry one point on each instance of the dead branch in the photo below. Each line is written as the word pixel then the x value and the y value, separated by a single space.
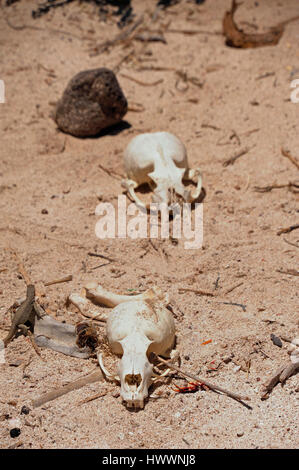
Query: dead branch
pixel 191 32
pixel 290 243
pixel 232 160
pixel 291 272
pixel 292 159
pixel 266 189
pixel 281 375
pixel 139 108
pixel 288 229
pixel 203 381
pixel 233 287
pixel 139 82
pixel 111 173
pixel 75 385
pixel 196 291
pixel 58 281
pixel 98 255
pixel 93 397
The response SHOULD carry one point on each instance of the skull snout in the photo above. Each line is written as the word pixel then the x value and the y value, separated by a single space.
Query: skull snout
pixel 135 380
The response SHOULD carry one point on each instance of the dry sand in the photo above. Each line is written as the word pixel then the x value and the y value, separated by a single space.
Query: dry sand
pixel 50 184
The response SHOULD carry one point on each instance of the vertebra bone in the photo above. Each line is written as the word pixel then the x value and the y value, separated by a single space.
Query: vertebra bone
pixel 159 159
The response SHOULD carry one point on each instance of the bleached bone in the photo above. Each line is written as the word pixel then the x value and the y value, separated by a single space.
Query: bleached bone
pixel 295 351
pixel 84 307
pixel 159 159
pixel 137 325
pixel 99 295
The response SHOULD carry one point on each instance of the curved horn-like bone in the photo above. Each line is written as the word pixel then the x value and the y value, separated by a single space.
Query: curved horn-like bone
pixel 104 370
pixel 130 186
pixel 193 175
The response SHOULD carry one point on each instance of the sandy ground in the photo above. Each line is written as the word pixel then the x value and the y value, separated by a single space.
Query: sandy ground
pixel 51 183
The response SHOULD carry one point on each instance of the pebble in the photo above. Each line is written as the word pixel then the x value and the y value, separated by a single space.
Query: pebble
pixel 15 432
pixel 25 410
pixel 91 102
pixel 276 340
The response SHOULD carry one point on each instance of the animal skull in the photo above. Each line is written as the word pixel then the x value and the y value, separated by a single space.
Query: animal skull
pixel 159 159
pixel 137 326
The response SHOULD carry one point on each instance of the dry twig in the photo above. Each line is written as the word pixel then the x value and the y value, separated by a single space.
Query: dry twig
pixel 196 291
pixel 292 159
pixel 58 281
pixel 266 189
pixel 213 387
pixel 288 229
pixel 291 243
pixel 75 385
pixel 232 160
pixel 291 272
pixel 139 82
pixel 281 375
pixel 93 397
pixel 124 35
pixel 233 287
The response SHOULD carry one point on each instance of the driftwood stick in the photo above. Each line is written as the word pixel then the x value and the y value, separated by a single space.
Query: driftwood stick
pixel 233 287
pixel 98 255
pixel 58 281
pixel 288 229
pixel 288 371
pixel 204 381
pixel 281 375
pixel 196 291
pixel 75 385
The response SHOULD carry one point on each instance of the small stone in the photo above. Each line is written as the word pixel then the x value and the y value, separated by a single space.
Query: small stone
pixel 15 432
pixel 45 211
pixel 227 359
pixel 276 340
pixel 25 410
pixel 91 102
pixel 240 434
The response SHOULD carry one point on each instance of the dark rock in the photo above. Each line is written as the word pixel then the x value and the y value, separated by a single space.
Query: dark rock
pixel 15 432
pixel 276 340
pixel 91 102
pixel 25 410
